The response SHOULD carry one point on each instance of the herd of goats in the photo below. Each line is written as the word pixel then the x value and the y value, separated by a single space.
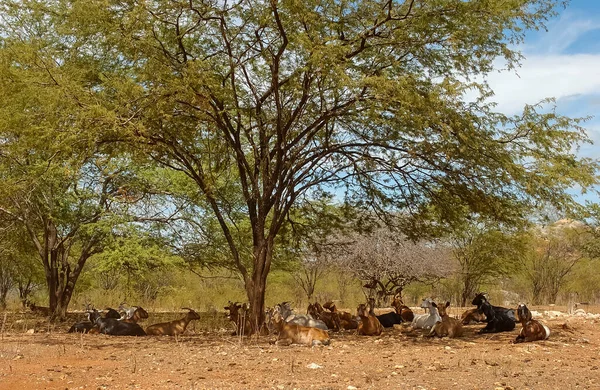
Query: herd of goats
pixel 313 328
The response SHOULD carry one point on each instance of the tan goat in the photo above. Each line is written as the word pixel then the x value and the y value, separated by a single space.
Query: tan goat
pixel 172 328
pixel 448 326
pixel 347 320
pixel 297 334
pixel 369 324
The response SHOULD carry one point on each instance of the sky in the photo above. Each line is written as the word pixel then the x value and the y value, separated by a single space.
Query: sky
pixel 564 63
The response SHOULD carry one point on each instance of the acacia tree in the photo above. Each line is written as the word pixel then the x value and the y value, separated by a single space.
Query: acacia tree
pixel 557 249
pixel 387 261
pixel 485 251
pixel 264 103
pixel 18 269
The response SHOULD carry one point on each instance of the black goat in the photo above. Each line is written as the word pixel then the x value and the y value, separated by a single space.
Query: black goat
pixel 113 326
pixel 390 319
pixel 81 327
pixel 87 326
pixel 479 298
pixel 497 321
pixel 112 313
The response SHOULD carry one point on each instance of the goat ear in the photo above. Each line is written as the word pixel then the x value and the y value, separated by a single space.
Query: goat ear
pixel 433 304
pixel 447 303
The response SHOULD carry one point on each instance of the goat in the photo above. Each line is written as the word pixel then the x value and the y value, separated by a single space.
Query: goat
pixel 387 320
pixel 45 311
pixel 531 330
pixel 112 313
pixel 113 326
pixel 138 314
pixel 448 326
pixel 296 334
pixel 497 321
pixel 481 297
pixel 403 310
pixel 347 320
pixel 331 319
pixel 81 327
pixel 173 328
pixel 428 320
pixel 238 315
pixel 369 324
pixel 472 315
pixel 300 319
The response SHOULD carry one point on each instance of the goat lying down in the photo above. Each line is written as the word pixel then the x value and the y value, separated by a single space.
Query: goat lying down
pixel 290 333
pixel 472 316
pixel 448 326
pixel 88 326
pixel 114 327
pixel 290 317
pixel 481 297
pixel 404 311
pixel 498 318
pixel 173 328
pixel 331 319
pixel 426 321
pixel 531 330
pixel 369 324
pixel 347 320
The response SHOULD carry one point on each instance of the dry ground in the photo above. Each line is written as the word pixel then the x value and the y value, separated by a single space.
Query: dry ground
pixel 210 358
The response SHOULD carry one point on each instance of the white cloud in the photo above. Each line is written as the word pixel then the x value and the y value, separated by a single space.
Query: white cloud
pixel 544 76
pixel 562 33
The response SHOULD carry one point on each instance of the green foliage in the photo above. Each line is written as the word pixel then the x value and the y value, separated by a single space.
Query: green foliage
pixel 486 251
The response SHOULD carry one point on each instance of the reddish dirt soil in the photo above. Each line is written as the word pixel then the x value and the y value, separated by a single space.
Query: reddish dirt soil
pixel 211 358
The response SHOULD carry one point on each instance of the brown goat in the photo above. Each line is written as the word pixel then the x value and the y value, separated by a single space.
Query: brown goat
pixel 531 330
pixel 331 319
pixel 472 315
pixel 448 326
pixel 347 320
pixel 238 314
pixel 40 310
pixel 173 328
pixel 369 325
pixel 402 310
pixel 138 314
pixel 297 334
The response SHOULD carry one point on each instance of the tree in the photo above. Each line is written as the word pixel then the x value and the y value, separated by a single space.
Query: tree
pixel 141 263
pixel 61 186
pixel 18 268
pixel 485 252
pixel 557 249
pixel 387 261
pixel 264 104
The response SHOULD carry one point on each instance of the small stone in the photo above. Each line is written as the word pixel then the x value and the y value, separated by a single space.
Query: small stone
pixel 313 366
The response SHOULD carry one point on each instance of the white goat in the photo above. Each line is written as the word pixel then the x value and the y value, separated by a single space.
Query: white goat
pixel 426 321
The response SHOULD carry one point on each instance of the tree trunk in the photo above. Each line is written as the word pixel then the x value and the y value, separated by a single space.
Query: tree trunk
pixel 468 292
pixel 3 294
pixel 257 285
pixel 24 290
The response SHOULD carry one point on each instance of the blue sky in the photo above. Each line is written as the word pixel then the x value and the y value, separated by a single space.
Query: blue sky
pixel 563 63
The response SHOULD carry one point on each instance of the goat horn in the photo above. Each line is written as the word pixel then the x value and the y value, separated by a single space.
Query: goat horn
pixel 186 308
